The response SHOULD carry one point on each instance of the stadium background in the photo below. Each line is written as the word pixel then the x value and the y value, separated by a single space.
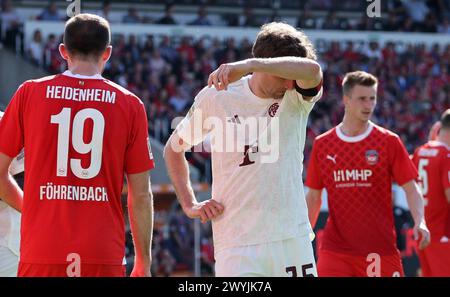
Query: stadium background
pixel 164 50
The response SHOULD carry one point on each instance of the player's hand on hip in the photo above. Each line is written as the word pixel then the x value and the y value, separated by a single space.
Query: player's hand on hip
pixel 205 210
pixel 421 232
pixel 228 73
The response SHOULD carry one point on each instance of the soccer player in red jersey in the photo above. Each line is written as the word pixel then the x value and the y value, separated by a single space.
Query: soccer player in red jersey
pixel 82 133
pixel 433 162
pixel 356 163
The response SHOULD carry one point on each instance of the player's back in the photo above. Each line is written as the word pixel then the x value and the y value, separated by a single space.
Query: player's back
pixel 77 133
pixel 433 163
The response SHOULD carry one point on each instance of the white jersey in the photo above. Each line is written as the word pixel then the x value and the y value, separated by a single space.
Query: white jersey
pixel 9 217
pixel 263 196
pixel 9 228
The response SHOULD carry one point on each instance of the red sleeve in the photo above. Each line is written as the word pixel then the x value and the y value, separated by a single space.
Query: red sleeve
pixel 415 160
pixel 138 156
pixel 445 175
pixel 414 157
pixel 402 168
pixel 313 174
pixel 11 125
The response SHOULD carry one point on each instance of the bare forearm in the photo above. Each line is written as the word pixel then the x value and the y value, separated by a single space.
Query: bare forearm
pixel 415 204
pixel 313 202
pixel 313 213
pixel 141 222
pixel 178 170
pixel 10 192
pixel 294 68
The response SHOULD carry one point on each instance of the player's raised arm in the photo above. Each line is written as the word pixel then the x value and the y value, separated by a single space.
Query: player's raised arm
pixel 10 192
pixel 306 72
pixel 416 206
pixel 140 208
pixel 279 51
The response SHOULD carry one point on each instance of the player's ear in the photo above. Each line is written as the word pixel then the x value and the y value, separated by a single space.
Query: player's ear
pixel 107 53
pixel 63 51
pixel 345 99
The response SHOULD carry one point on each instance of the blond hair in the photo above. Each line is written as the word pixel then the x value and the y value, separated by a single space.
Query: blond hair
pixel 351 79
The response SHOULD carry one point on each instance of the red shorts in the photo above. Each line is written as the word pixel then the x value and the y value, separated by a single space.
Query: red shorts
pixel 337 264
pixel 435 259
pixel 62 270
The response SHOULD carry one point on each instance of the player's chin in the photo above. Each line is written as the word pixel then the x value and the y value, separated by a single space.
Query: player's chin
pixel 366 115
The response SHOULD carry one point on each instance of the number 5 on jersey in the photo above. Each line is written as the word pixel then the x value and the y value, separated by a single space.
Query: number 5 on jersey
pixel 423 175
pixel 95 146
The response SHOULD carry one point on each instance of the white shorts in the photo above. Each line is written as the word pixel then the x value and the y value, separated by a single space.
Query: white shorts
pixel 293 257
pixel 9 262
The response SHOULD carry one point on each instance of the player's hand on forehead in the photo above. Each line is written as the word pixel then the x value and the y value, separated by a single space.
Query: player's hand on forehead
pixel 228 73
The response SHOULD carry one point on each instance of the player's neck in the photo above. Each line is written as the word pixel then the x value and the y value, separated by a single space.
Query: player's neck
pixel 444 137
pixel 353 127
pixel 254 85
pixel 85 68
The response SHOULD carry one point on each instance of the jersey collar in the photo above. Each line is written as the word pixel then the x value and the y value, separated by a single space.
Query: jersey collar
pixel 70 74
pixel 438 143
pixel 356 138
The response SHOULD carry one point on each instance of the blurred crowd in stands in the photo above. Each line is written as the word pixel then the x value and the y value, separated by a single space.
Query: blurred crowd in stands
pixel 166 72
pixel 395 15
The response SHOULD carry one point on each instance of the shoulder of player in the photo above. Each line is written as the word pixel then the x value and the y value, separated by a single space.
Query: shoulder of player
pixel 239 84
pixel 443 149
pixel 206 92
pixel 36 82
pixel 437 149
pixel 121 90
pixel 439 145
pixel 42 79
pixel 211 93
pixel 326 135
pixel 384 132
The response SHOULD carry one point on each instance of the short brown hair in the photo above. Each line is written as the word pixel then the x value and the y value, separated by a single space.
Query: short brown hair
pixel 87 35
pixel 280 40
pixel 351 79
pixel 445 120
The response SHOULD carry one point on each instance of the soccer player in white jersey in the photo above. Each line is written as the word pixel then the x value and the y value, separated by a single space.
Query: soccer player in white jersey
pixel 258 210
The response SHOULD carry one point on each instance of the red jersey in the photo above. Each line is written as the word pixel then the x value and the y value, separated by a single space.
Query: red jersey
pixel 433 163
pixel 357 173
pixel 80 134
